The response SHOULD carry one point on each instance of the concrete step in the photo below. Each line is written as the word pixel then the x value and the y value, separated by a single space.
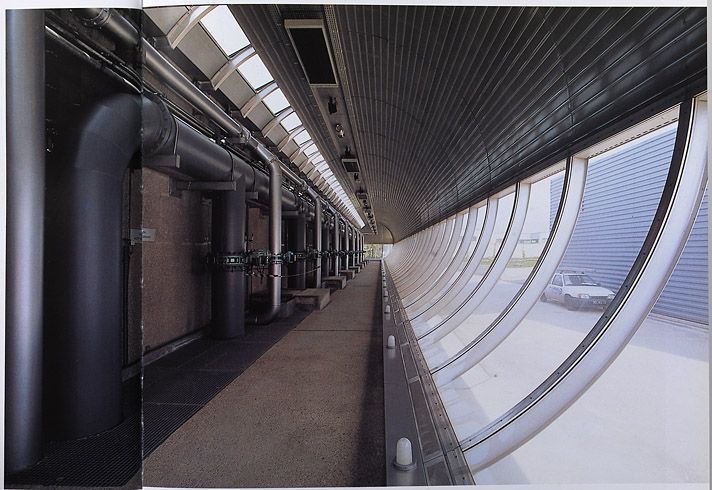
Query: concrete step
pixel 335 282
pixel 311 298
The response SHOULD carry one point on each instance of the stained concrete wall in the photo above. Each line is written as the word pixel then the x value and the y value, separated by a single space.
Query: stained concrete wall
pixel 176 279
pixel 132 266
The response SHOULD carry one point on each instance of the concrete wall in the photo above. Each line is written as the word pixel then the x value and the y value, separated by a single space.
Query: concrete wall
pixel 176 279
pixel 132 266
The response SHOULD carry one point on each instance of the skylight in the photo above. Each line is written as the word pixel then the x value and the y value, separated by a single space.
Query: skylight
pixel 255 72
pixel 222 26
pixel 311 149
pixel 276 101
pixel 291 121
pixel 302 137
pixel 224 29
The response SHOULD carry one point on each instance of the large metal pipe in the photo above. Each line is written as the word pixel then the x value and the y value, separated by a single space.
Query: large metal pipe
pixel 25 120
pixel 360 248
pixel 200 157
pixel 83 303
pixel 317 235
pixel 350 244
pixel 327 244
pixel 297 243
pixel 228 285
pixel 121 29
pixel 83 307
pixel 337 242
pixel 275 241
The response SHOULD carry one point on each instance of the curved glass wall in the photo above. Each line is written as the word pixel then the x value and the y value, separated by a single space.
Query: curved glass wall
pixel 659 382
pixel 553 328
pixel 440 291
pixel 648 385
pixel 438 352
pixel 613 419
pixel 529 246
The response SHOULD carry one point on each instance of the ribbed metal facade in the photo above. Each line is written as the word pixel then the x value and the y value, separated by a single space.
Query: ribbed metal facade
pixel 451 104
pixel 622 194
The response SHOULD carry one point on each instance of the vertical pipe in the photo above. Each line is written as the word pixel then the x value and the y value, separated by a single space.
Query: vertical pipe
pixel 228 286
pixel 337 244
pixel 25 244
pixel 358 247
pixel 297 243
pixel 83 286
pixel 317 236
pixel 360 238
pixel 275 233
pixel 325 246
pixel 347 245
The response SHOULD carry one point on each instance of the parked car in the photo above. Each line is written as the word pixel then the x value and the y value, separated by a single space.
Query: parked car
pixel 576 290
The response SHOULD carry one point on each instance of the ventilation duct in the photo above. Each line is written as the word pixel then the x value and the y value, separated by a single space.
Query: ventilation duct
pixel 309 39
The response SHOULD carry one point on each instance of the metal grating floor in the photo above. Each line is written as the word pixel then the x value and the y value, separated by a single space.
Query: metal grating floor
pixel 175 388
pixel 109 459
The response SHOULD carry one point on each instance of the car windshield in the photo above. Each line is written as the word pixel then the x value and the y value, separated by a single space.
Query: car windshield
pixel 579 280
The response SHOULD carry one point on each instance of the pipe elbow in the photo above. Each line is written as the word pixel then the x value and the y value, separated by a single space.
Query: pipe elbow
pixel 109 135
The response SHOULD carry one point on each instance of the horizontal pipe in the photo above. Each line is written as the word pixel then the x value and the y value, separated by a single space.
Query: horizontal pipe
pixel 122 30
pixel 200 157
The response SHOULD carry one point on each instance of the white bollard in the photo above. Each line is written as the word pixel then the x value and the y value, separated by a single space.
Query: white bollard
pixel 404 455
pixel 391 344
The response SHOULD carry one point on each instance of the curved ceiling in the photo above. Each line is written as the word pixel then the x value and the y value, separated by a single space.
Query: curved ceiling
pixel 451 104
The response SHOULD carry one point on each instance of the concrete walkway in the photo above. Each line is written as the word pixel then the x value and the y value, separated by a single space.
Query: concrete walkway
pixel 309 412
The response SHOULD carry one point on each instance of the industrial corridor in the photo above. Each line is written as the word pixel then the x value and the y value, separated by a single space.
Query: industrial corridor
pixel 356 245
pixel 307 413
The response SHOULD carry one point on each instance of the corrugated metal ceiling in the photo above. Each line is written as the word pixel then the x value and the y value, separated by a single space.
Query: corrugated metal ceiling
pixel 453 103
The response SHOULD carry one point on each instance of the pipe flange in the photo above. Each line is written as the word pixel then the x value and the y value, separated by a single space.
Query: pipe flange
pixel 98 20
pixel 167 138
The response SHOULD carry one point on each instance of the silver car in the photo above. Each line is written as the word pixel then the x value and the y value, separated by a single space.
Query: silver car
pixel 576 290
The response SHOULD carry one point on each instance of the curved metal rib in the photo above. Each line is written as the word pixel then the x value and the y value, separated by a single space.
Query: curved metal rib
pixel 431 298
pixel 231 66
pixel 186 23
pixel 435 256
pixel 426 297
pixel 445 257
pixel 397 260
pixel 416 262
pixel 420 321
pixel 534 285
pixel 494 271
pixel 647 277
pixel 424 243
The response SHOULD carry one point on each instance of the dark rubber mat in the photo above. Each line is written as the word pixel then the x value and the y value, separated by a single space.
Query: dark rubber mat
pixel 175 388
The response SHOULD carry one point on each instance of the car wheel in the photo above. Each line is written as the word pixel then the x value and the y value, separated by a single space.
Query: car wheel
pixel 571 303
pixel 543 298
